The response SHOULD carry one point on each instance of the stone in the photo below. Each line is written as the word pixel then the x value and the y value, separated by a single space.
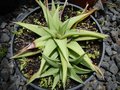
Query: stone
pixel 107 17
pixel 114 18
pixel 4 38
pixel 4 63
pixel 107 74
pixel 111 62
pixel 86 86
pixel 100 87
pixel 108 79
pixel 118 65
pixel 4 86
pixel 108 50
pixel 118 77
pixel 109 41
pixel 109 14
pixel 107 24
pixel 105 65
pixel 118 41
pixel 8 55
pixel 114 52
pixel 115 47
pixel 117 58
pixel 111 85
pixel 94 84
pixel 106 58
pixel 5 74
pixel 114 78
pixel 114 35
pixel 114 24
pixel 3 25
pixel 24 87
pixel 12 87
pixel 20 88
pixel 114 69
pixel 113 11
pixel 105 29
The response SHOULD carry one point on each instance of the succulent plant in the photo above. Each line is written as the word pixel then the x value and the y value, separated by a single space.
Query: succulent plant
pixel 58 44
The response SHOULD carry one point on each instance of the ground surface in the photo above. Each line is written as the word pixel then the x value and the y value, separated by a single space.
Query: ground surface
pixel 110 23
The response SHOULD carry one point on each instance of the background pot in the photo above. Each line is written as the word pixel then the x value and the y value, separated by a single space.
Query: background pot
pixel 24 16
pixel 82 3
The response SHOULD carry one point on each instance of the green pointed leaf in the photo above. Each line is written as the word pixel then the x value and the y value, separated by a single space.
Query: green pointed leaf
pixel 47 15
pixel 53 8
pixel 46 66
pixel 51 59
pixel 83 12
pixel 35 76
pixel 45 10
pixel 72 74
pixel 86 60
pixel 56 80
pixel 54 55
pixel 78 18
pixel 56 19
pixel 34 28
pixel 63 27
pixel 40 42
pixel 72 55
pixel 64 69
pixel 81 70
pixel 84 33
pixel 65 3
pixel 49 48
pixel 50 72
pixel 52 62
pixel 85 38
pixel 78 59
pixel 61 74
pixel 62 44
pixel 26 54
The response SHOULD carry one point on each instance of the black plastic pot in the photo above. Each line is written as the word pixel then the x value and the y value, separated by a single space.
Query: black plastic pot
pixel 24 16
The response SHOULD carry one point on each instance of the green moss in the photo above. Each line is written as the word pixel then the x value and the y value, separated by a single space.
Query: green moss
pixel 36 21
pixel 19 32
pixel 3 51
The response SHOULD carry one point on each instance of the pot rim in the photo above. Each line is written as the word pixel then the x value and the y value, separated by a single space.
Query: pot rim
pixel 21 17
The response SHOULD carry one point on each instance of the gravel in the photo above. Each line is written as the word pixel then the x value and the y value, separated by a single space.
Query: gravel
pixel 108 50
pixel 3 25
pixel 110 23
pixel 114 69
pixel 4 38
pixel 105 65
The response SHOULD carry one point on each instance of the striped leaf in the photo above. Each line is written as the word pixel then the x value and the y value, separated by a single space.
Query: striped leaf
pixel 72 74
pixel 62 45
pixel 34 28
